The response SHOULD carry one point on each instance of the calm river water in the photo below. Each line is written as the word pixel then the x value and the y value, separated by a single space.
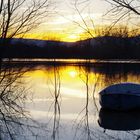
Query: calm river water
pixel 62 102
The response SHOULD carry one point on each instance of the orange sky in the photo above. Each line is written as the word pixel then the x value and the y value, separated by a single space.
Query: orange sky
pixel 63 25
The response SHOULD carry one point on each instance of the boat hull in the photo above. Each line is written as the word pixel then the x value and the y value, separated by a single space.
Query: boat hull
pixel 120 101
pixel 124 96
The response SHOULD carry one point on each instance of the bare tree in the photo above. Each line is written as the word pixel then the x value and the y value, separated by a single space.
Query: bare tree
pixel 129 5
pixel 124 10
pixel 20 16
pixel 86 23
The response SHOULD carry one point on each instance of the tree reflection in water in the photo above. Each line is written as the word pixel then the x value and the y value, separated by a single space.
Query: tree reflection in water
pixel 85 121
pixel 15 121
pixel 56 116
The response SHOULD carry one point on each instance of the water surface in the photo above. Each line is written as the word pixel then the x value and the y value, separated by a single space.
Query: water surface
pixel 64 101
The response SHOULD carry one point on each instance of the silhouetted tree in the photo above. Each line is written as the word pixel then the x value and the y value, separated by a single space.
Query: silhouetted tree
pixel 20 16
pixel 17 17
pixel 124 9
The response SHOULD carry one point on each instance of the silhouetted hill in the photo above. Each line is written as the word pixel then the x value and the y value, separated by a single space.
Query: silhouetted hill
pixel 106 47
pixel 39 43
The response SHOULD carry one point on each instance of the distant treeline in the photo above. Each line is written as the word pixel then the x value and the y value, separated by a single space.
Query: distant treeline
pixel 106 47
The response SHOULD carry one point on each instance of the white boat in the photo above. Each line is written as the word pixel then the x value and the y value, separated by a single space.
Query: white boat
pixel 123 96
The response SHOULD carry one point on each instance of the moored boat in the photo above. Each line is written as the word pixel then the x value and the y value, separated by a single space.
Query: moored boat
pixel 123 96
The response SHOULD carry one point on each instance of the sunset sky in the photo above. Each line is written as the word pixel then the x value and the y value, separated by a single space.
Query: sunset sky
pixel 61 26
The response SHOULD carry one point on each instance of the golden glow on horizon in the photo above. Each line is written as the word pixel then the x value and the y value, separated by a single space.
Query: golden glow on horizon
pixel 80 35
pixel 71 38
pixel 57 36
pixel 70 34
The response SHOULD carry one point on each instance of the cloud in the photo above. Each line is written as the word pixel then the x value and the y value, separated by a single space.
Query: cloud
pixel 71 18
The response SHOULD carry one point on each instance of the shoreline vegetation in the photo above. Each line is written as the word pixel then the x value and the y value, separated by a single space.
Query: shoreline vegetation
pixel 74 62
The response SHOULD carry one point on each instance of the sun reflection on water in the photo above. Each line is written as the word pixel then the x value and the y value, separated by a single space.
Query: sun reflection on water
pixel 72 79
pixel 73 74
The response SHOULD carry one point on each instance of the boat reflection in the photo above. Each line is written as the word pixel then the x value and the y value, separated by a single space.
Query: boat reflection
pixel 118 120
